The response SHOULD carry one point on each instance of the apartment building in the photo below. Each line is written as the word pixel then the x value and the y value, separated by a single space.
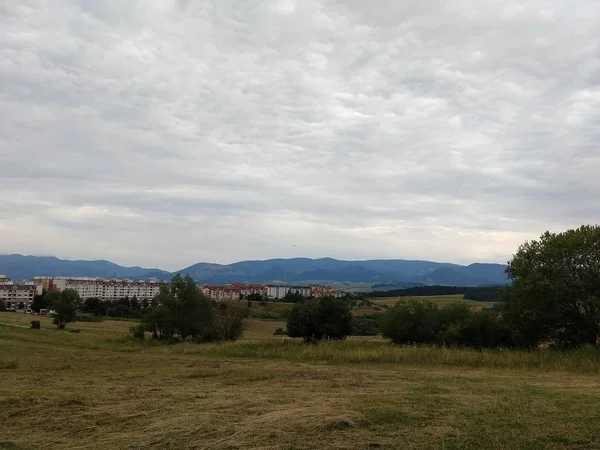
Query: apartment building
pixel 233 292
pixel 15 295
pixel 108 290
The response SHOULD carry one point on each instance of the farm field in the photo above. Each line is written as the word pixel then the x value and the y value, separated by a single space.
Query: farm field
pixel 440 300
pixel 97 389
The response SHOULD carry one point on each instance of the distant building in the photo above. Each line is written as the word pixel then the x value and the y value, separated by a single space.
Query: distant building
pixel 14 294
pixel 103 289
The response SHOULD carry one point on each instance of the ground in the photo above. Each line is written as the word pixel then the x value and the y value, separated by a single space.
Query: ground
pixel 96 389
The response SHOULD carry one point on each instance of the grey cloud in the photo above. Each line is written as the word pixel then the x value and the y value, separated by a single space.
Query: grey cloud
pixel 173 132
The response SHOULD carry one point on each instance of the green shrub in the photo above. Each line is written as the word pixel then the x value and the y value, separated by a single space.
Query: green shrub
pixel 138 332
pixel 279 332
pixel 35 324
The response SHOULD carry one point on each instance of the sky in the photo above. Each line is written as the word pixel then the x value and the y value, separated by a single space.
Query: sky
pixel 164 133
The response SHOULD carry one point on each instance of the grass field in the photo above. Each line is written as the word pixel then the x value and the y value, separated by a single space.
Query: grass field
pixel 440 300
pixel 96 389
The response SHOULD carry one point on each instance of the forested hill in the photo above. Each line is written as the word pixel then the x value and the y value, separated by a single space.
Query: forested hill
pixel 294 270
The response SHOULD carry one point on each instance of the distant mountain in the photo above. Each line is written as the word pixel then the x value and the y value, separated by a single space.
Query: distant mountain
pixel 472 275
pixel 19 267
pixel 293 270
pixel 296 270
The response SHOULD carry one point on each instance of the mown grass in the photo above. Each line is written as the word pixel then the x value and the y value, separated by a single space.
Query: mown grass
pixel 97 389
pixel 440 300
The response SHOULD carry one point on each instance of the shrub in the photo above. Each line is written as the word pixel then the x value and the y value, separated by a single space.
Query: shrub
pixel 279 332
pixel 35 324
pixel 411 322
pixel 229 324
pixel 138 332
pixel 366 325
pixel 249 304
pixel 326 318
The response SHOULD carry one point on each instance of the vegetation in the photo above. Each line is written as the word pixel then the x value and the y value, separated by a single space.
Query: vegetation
pixel 556 289
pixel 481 293
pixel 356 394
pixel 65 304
pixel 182 312
pixel 324 318
pixel 366 325
pixel 2 305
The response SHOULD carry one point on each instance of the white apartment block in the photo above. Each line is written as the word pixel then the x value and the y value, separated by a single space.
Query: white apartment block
pixel 15 294
pixel 103 289
pixel 280 291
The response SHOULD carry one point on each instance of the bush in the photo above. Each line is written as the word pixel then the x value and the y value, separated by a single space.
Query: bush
pixel 249 304
pixel 422 322
pixel 138 332
pixel 35 324
pixel 411 322
pixel 366 325
pixel 279 332
pixel 326 318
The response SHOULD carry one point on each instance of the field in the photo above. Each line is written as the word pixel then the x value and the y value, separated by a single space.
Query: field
pixel 97 389
pixel 440 300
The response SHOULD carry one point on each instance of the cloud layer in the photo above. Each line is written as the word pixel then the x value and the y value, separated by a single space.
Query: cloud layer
pixel 220 130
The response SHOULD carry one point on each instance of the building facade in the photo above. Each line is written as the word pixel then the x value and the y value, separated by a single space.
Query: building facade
pixel 17 295
pixel 103 289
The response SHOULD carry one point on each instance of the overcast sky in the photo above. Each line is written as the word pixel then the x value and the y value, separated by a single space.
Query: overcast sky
pixel 164 133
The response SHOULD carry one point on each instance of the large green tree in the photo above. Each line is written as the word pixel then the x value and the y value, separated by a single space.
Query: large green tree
pixel 65 305
pixel 325 318
pixel 556 289
pixel 181 309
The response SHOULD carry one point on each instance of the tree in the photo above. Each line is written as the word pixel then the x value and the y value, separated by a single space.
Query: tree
pixel 293 297
pixel 229 323
pixel 39 302
pixel 66 305
pixel 556 289
pixel 159 322
pixel 304 321
pixel 135 303
pixel 93 305
pixel 335 318
pixel 252 297
pixel 326 318
pixel 2 305
pixel 145 303
pixel 411 322
pixel 21 305
pixel 181 309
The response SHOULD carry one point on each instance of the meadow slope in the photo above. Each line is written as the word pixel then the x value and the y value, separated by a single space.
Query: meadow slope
pixel 96 389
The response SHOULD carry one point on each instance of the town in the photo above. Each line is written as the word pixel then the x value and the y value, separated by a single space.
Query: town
pixel 19 296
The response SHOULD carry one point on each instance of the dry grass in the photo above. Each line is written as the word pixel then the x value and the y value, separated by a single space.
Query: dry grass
pixel 86 390
pixel 440 300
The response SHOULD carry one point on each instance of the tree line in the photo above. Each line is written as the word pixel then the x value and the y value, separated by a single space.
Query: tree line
pixel 554 299
pixel 484 293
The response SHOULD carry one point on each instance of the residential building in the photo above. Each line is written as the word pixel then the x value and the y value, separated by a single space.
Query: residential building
pixel 17 294
pixel 103 289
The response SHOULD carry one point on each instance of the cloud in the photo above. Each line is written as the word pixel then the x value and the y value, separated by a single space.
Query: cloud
pixel 172 132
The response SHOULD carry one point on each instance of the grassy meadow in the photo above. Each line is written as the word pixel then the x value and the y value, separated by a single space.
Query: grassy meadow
pixel 98 389
pixel 440 300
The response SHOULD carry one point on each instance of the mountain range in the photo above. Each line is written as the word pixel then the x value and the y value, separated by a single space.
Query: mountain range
pixel 293 270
